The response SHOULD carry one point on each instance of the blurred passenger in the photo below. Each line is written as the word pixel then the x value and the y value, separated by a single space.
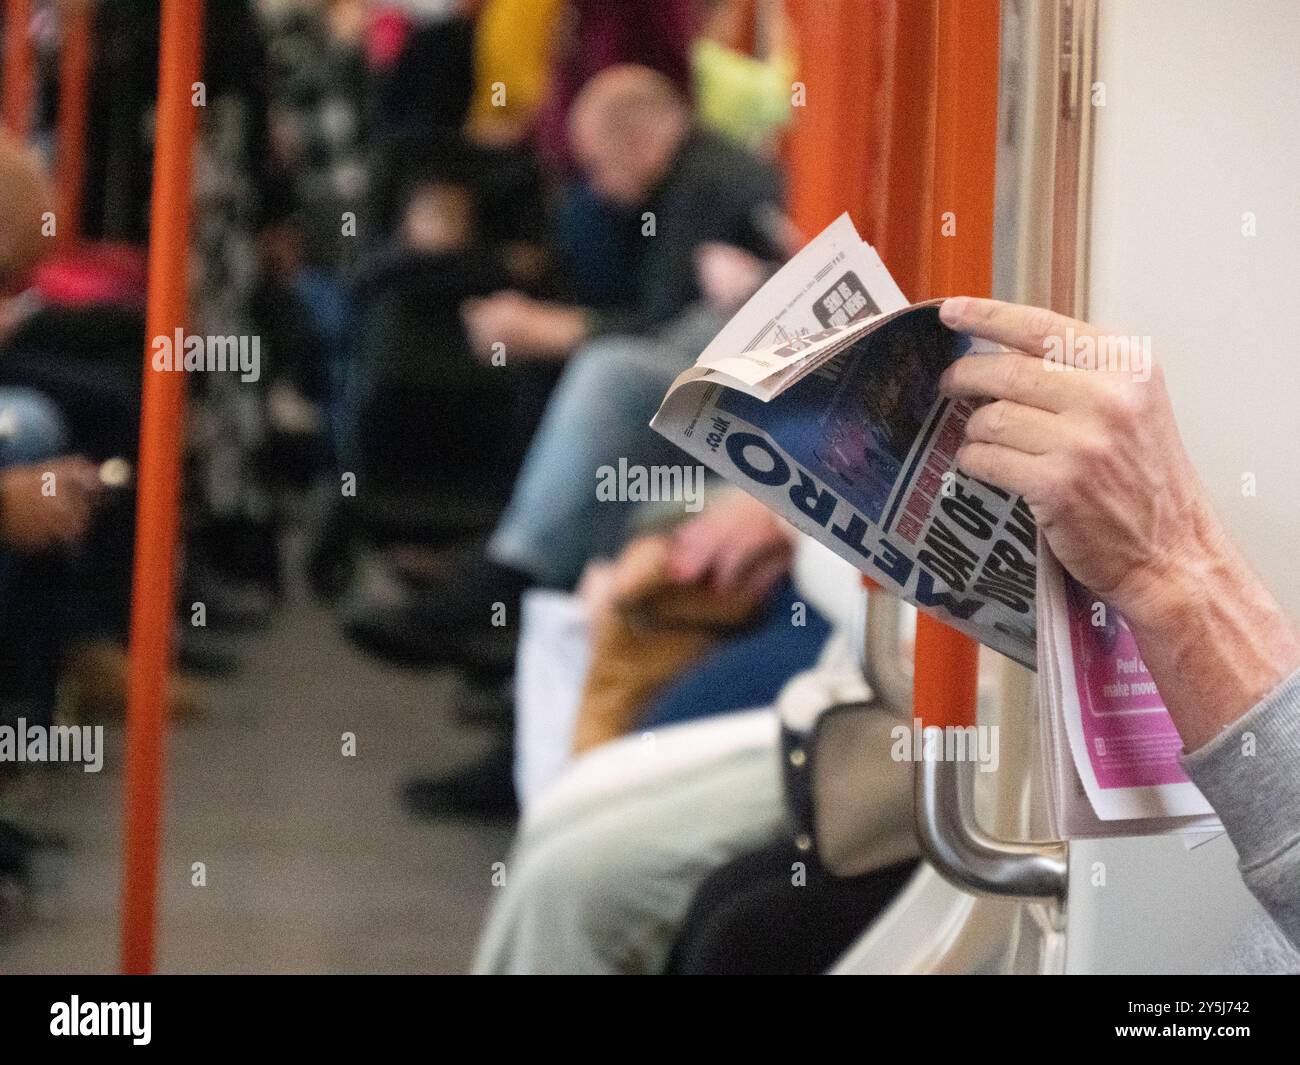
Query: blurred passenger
pixel 49 588
pixel 638 147
pixel 592 36
pixel 707 209
pixel 319 134
pixel 424 421
pixel 597 237
pixel 609 857
pixel 696 620
pixel 67 403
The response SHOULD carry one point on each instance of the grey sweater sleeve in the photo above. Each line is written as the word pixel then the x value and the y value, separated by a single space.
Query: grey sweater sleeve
pixel 1250 773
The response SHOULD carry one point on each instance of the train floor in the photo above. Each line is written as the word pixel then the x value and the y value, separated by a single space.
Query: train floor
pixel 308 862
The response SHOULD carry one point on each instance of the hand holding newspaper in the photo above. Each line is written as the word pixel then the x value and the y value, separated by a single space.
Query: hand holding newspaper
pixel 820 398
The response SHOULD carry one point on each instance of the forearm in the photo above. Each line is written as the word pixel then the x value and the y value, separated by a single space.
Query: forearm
pixel 1227 662
pixel 1214 639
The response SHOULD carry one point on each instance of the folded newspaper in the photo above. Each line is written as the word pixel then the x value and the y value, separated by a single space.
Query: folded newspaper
pixel 820 398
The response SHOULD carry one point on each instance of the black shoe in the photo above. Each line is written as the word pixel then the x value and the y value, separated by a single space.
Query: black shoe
pixel 242 550
pixel 469 621
pixel 405 634
pixel 485 788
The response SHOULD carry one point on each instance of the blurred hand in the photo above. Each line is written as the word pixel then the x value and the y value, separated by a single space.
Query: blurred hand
pixel 527 327
pixel 1096 454
pixel 737 544
pixel 728 276
pixel 31 520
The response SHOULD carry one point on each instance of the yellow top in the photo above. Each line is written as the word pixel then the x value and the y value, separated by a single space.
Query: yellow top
pixel 745 98
pixel 512 51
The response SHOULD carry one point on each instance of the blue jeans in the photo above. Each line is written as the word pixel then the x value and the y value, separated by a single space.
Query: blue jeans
pixel 746 670
pixel 599 413
pixel 327 303
pixel 33 591
pixel 31 427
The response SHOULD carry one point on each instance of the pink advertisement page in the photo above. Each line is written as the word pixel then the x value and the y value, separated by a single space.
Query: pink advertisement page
pixel 1131 741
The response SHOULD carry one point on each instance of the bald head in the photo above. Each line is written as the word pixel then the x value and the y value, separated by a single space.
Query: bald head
pixel 625 127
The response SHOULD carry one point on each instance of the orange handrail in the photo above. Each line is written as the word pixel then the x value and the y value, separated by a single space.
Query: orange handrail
pixel 961 262
pixel 158 500
pixel 19 69
pixel 74 83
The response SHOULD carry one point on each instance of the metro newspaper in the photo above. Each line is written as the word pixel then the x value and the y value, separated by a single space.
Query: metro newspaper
pixel 820 398
pixel 831 416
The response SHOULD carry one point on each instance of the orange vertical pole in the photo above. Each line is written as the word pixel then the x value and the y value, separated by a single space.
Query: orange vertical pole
pixel 74 83
pixel 18 70
pixel 906 116
pixel 961 263
pixel 815 146
pixel 158 499
pixel 904 243
pixel 836 138
pixel 838 152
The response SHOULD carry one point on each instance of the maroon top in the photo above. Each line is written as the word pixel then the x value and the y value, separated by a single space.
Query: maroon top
pixel 595 34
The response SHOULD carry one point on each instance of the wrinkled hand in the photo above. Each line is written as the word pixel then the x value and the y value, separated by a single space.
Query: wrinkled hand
pixel 528 328
pixel 1095 453
pixel 31 520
